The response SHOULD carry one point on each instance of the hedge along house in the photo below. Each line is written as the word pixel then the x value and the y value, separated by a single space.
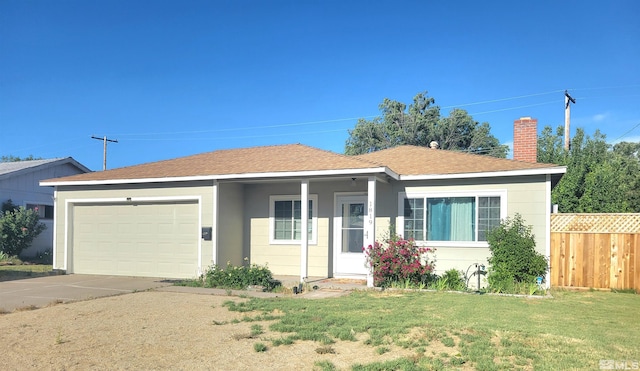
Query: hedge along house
pixel 300 210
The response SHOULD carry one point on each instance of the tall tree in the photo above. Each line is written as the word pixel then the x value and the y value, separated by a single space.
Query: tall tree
pixel 12 158
pixel 628 154
pixel 419 125
pixel 598 179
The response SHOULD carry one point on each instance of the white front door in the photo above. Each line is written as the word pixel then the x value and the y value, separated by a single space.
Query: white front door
pixel 349 222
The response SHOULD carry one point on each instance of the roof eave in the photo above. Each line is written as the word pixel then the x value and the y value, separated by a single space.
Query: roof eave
pixel 488 174
pixel 271 175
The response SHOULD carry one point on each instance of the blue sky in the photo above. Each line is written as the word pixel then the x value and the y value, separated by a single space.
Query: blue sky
pixel 174 78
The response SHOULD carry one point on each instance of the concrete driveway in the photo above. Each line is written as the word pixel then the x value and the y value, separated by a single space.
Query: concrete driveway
pixel 42 291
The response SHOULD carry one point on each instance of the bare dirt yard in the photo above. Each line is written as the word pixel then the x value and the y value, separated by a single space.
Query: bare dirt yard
pixel 158 330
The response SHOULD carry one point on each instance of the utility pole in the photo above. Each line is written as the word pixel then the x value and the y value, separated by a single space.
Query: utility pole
pixel 104 151
pixel 567 118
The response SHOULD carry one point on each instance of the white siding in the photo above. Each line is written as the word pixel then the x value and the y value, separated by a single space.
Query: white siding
pixel 24 188
pixel 525 195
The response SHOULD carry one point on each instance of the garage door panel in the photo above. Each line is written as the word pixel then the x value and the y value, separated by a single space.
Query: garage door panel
pixel 156 240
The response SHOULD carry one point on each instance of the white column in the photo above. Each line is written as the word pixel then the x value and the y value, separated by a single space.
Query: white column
pixel 304 235
pixel 214 226
pixel 547 227
pixel 370 227
pixel 54 247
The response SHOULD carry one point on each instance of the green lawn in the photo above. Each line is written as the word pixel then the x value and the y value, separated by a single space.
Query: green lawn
pixel 16 272
pixel 573 330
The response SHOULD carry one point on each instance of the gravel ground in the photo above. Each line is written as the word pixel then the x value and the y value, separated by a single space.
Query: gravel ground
pixel 157 330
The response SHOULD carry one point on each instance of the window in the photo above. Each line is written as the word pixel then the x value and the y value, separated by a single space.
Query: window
pixel 458 218
pixel 286 219
pixel 44 211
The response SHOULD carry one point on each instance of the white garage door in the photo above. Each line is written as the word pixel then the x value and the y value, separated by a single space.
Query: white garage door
pixel 144 239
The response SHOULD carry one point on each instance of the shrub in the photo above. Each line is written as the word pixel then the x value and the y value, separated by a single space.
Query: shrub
pixel 18 228
pixel 451 280
pixel 43 257
pixel 238 278
pixel 513 256
pixel 399 260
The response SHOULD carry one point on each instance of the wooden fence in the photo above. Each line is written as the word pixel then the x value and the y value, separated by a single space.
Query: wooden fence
pixel 599 251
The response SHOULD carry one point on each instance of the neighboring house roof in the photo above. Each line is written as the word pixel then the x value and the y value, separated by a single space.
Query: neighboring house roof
pixel 302 160
pixel 10 169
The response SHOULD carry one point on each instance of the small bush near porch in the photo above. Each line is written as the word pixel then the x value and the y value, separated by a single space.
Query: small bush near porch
pixel 235 277
pixel 400 261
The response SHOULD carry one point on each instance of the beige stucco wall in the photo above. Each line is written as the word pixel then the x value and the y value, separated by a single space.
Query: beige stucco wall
pixel 202 189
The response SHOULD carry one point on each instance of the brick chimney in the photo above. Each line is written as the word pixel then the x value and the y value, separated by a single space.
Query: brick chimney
pixel 525 139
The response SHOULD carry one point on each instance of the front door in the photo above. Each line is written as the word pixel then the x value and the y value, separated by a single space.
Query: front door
pixel 349 219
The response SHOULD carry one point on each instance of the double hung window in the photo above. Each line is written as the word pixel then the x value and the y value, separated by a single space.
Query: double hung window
pixel 286 219
pixel 463 218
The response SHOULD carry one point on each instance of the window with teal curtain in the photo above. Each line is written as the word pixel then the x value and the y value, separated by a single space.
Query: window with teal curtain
pixel 451 219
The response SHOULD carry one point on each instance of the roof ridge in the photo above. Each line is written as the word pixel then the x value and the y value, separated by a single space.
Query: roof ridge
pixel 369 162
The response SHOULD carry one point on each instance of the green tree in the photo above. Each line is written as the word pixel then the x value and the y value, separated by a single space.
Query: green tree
pixel 628 155
pixel 420 124
pixel 598 179
pixel 11 158
pixel 18 228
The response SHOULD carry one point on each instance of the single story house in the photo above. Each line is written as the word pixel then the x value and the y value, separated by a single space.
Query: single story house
pixel 300 210
pixel 19 182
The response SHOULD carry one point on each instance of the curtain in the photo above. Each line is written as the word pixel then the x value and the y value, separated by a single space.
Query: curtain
pixel 451 219
pixel 439 225
pixel 462 219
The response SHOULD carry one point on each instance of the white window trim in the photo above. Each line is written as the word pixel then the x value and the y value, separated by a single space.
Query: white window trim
pixel 502 193
pixel 314 219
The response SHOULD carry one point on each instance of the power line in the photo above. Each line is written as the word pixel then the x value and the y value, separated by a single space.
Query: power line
pixel 504 99
pixel 513 108
pixel 237 137
pixel 251 127
pixel 307 123
pixel 317 122
pixel 625 134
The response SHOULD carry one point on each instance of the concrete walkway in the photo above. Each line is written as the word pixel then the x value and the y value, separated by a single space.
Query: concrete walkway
pixel 43 291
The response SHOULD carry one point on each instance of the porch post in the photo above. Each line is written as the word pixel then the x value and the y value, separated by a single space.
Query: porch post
pixel 214 229
pixel 304 229
pixel 547 226
pixel 370 227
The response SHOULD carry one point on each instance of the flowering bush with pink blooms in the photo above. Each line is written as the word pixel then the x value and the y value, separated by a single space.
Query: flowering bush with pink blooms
pixel 400 261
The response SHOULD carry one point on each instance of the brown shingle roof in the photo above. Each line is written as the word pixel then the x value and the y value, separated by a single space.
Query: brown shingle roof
pixel 413 160
pixel 403 160
pixel 254 160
